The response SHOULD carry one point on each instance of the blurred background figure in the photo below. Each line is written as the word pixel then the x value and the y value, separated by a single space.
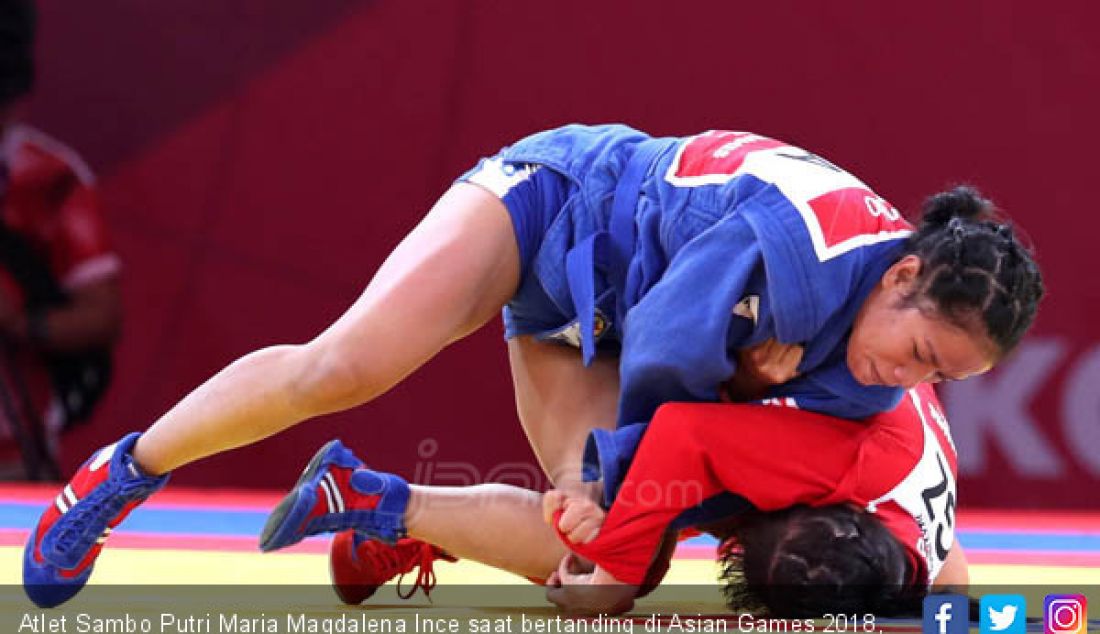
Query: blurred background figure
pixel 59 300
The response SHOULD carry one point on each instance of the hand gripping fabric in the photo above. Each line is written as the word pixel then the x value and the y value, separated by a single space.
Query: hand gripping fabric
pixel 62 550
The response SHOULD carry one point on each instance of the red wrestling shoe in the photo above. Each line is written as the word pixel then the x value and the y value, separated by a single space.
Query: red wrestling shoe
pixel 360 565
pixel 62 550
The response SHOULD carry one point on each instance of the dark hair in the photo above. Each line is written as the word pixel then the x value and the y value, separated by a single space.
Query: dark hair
pixel 17 26
pixel 806 562
pixel 974 268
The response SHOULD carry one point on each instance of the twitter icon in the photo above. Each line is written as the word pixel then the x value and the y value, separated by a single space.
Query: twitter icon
pixel 1003 614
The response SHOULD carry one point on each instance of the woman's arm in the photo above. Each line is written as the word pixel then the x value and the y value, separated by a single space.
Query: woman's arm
pixel 569 587
pixel 580 589
pixel 91 319
pixel 578 586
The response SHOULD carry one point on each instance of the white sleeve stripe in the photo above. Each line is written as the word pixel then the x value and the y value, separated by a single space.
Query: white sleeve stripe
pixel 22 132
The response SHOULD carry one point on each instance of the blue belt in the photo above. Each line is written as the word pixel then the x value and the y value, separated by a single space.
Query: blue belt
pixel 610 251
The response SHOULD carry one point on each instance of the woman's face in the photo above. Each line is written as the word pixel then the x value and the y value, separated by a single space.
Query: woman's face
pixel 901 344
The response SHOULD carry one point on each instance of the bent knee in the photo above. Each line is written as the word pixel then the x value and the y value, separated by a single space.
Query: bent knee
pixel 326 380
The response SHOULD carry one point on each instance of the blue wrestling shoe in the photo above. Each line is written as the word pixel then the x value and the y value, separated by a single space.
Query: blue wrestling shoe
pixel 337 492
pixel 62 550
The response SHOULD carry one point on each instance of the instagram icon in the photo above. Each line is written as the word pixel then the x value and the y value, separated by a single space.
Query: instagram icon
pixel 1065 613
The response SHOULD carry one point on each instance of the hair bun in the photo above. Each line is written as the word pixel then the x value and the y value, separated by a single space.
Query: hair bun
pixel 964 202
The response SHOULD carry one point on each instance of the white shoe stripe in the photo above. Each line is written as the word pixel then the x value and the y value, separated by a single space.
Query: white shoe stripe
pixel 103 457
pixel 328 495
pixel 70 497
pixel 61 506
pixel 340 508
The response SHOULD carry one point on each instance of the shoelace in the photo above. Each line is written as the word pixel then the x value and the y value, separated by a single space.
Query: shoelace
pixel 425 575
pixel 388 561
pixel 90 517
pixel 77 532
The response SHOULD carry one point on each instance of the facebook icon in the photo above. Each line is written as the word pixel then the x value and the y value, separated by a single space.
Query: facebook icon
pixel 946 614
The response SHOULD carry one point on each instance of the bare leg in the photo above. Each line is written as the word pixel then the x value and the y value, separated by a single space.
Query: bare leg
pixel 559 402
pixel 496 524
pixel 447 278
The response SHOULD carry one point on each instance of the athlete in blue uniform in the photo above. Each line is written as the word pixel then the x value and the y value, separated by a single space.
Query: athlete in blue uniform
pixel 675 255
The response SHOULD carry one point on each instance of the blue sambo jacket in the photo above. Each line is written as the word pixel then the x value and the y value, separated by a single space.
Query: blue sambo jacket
pixel 695 247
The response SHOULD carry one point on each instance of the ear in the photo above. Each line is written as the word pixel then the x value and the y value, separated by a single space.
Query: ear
pixel 903 274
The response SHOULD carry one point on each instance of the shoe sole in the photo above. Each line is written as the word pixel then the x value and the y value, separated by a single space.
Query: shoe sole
pixel 43 583
pixel 349 593
pixel 278 519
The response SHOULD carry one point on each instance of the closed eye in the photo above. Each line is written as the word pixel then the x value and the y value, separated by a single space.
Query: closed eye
pixel 938 376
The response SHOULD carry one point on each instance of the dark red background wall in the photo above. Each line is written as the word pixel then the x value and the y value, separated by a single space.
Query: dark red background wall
pixel 259 159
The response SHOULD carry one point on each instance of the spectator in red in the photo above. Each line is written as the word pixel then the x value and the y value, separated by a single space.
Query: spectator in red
pixel 59 298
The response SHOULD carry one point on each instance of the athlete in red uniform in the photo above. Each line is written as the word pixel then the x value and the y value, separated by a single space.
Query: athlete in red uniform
pixel 896 471
pixel 59 294
pixel 59 301
pixel 854 515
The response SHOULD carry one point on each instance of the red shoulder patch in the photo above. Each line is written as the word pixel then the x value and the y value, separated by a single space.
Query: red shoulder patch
pixel 854 212
pixel 840 212
pixel 716 157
